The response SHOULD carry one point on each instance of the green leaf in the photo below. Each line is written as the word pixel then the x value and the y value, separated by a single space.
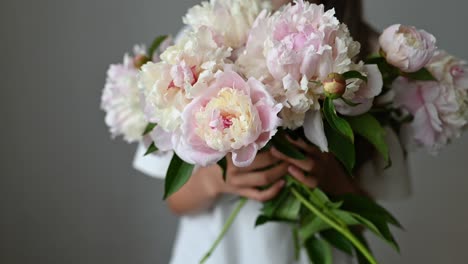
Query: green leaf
pixel 149 128
pixel 368 127
pixel 380 229
pixel 421 75
pixel 319 251
pixel 338 240
pixel 289 209
pixel 346 218
pixel 384 229
pixel 155 45
pixel 284 146
pixel 262 219
pixel 318 197
pixel 271 206
pixel 151 149
pixel 333 205
pixel 354 75
pixel 312 227
pixel 372 215
pixel 339 124
pixel 374 59
pixel 178 174
pixel 342 148
pixel 223 164
pixel 389 72
pixel 367 207
pixel 284 207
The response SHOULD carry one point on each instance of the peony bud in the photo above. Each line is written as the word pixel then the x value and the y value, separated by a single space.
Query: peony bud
pixel 334 86
pixel 140 60
pixel 407 48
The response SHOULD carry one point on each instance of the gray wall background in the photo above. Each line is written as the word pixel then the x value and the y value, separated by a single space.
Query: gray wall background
pixel 68 193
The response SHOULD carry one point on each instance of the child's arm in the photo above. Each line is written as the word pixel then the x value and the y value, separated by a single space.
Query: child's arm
pixel 206 184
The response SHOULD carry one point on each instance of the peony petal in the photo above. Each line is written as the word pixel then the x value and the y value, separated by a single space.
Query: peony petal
pixel 314 131
pixel 195 154
pixel 229 78
pixel 162 139
pixel 244 156
pixel 258 92
pixel 269 116
pixel 343 108
pixel 374 82
pixel 421 126
pixel 310 62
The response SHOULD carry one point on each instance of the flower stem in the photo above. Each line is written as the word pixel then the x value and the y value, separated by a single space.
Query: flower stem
pixel 342 229
pixel 226 227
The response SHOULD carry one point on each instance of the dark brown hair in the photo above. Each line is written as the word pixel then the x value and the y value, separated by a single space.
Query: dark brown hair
pixel 351 12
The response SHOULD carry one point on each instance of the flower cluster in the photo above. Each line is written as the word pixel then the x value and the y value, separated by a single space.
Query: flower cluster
pixel 240 72
pixel 203 107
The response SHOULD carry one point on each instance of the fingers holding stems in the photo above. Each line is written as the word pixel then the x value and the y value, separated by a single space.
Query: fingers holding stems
pixel 247 181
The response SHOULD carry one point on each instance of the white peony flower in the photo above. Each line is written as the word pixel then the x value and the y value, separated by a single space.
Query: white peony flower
pixel 120 99
pixel 229 20
pixel 185 70
pixel 453 72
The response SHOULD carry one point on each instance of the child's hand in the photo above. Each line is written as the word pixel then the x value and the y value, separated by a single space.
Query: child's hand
pixel 318 169
pixel 264 171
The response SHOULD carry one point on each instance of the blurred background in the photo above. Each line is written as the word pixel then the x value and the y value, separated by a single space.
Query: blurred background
pixel 68 193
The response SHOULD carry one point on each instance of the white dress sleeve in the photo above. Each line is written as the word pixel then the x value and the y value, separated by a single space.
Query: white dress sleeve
pixel 387 184
pixel 152 165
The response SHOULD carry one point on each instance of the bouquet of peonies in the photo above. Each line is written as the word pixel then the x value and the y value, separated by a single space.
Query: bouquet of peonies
pixel 242 79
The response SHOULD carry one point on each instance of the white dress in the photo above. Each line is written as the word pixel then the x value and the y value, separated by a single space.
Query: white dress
pixel 271 243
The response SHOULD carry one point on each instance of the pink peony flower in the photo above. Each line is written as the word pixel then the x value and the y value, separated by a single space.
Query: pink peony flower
pixel 435 109
pixel 453 72
pixel 407 48
pixel 293 51
pixel 295 46
pixel 304 41
pixel 120 99
pixel 232 116
pixel 450 70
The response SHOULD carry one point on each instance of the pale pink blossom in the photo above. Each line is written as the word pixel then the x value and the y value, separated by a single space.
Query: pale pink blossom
pixel 453 72
pixel 121 100
pixel 232 116
pixel 407 48
pixel 435 109
pixel 293 51
pixel 440 109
